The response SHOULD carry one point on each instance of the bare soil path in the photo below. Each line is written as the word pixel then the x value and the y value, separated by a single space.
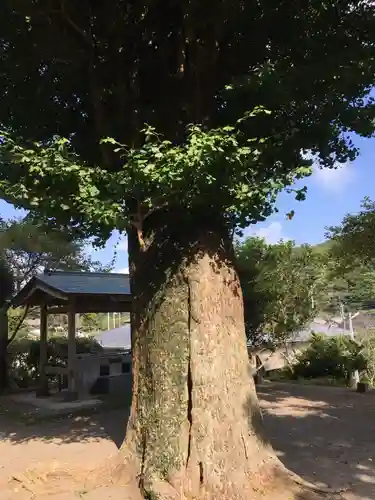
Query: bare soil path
pixel 326 435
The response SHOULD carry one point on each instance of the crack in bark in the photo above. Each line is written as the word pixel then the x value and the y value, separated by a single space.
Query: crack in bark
pixel 141 481
pixel 201 475
pixel 244 446
pixel 189 378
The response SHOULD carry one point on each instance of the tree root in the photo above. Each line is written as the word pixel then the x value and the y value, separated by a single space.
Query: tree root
pixel 311 486
pixel 119 472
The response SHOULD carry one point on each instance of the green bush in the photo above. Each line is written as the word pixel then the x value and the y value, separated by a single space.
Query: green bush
pixel 369 352
pixel 23 356
pixel 330 357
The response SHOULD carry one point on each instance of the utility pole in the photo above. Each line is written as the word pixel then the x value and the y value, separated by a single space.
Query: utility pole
pixel 342 311
pixel 355 375
pixel 351 329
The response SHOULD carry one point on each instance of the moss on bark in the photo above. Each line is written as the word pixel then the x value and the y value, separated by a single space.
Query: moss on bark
pixel 195 422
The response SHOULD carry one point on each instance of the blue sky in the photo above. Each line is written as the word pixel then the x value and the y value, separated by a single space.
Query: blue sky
pixel 331 194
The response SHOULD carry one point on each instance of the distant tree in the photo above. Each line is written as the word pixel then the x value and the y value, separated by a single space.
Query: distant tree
pixel 29 247
pixel 354 239
pixel 351 289
pixel 352 258
pixel 282 287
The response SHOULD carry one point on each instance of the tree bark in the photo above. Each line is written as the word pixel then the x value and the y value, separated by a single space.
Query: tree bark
pixel 195 429
pixel 3 349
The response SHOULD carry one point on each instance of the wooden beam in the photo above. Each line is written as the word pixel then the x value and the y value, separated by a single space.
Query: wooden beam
pixel 49 291
pixel 92 306
pixel 72 352
pixel 42 390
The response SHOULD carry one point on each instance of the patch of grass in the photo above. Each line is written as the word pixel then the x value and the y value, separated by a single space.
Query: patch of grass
pixel 29 415
pixel 320 381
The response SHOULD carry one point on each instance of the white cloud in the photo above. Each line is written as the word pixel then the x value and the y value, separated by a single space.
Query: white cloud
pixel 334 180
pixel 272 233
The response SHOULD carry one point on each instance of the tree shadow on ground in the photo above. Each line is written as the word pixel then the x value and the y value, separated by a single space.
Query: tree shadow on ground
pixel 325 435
pixel 79 427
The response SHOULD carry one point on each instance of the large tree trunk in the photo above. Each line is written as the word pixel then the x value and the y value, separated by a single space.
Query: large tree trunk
pixel 3 349
pixel 195 429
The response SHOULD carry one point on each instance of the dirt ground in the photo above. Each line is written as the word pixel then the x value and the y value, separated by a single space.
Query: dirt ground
pixel 326 435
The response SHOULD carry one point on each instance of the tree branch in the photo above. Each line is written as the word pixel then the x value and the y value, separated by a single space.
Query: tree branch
pixel 85 37
pixel 19 324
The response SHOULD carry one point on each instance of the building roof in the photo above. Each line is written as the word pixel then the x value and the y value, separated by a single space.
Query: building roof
pixel 118 338
pixel 87 283
pixel 92 292
pixel 316 326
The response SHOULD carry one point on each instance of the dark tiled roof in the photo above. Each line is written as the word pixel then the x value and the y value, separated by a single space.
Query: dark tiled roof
pixel 59 286
pixel 86 283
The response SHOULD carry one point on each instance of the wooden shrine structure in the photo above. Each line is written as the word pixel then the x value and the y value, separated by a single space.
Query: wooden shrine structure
pixel 58 292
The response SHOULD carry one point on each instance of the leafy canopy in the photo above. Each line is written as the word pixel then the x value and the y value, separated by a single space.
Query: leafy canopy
pixel 219 167
pixel 268 83
pixel 283 286
pixel 27 248
pixel 354 238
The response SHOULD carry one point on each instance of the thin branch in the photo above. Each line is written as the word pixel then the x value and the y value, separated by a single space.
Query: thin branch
pixel 87 39
pixel 19 324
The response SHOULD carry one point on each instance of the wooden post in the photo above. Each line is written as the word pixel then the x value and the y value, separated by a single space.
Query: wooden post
pixel 43 354
pixel 72 350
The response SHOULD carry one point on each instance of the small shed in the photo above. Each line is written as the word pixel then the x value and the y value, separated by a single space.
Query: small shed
pixel 58 292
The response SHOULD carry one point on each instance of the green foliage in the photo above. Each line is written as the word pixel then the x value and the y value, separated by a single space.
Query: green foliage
pixel 285 287
pixel 335 357
pixel 90 322
pixel 351 256
pixel 14 318
pixel 24 356
pixel 282 286
pixel 95 72
pixel 353 238
pixel 222 166
pixel 368 342
pixel 28 248
pixel 353 288
pixel 347 282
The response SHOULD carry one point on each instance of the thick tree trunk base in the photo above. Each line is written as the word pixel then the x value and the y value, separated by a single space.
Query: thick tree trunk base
pixel 116 480
pixel 195 431
pixel 271 481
